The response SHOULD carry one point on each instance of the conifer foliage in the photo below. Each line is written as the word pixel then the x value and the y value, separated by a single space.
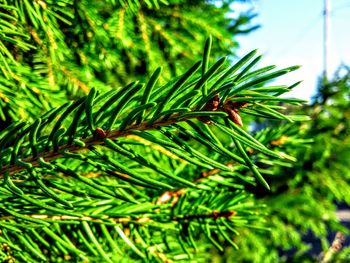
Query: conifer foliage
pixel 156 169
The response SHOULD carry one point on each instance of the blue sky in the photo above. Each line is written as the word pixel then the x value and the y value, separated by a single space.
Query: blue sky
pixel 291 33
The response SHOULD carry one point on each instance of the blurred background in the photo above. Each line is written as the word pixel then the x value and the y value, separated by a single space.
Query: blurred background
pixel 313 34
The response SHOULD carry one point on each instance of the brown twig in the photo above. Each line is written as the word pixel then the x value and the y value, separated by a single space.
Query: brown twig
pixel 89 142
pixel 336 246
pixel 125 220
pixel 84 87
pixel 175 195
pixel 213 215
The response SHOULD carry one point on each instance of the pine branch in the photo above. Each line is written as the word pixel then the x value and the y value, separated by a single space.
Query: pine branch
pixel 97 139
pixel 94 140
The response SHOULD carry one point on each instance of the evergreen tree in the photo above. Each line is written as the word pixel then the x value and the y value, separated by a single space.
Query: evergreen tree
pixel 106 157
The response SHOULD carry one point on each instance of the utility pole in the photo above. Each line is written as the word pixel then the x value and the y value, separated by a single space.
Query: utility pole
pixel 326 37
